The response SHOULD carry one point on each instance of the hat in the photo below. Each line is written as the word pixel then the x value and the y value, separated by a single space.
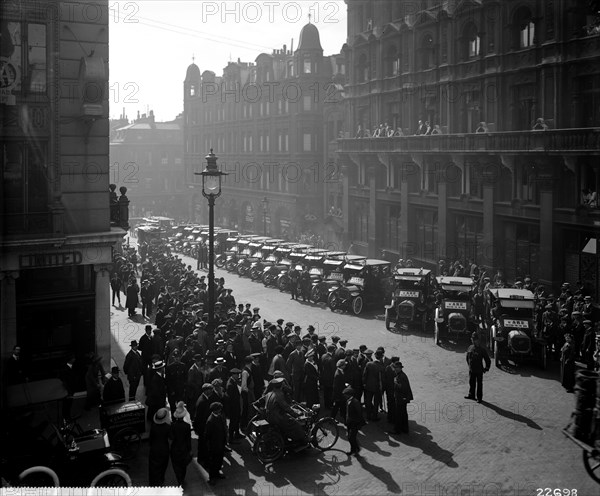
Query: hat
pixel 348 391
pixel 576 313
pixel 340 363
pixel 276 380
pixel 256 309
pixel 133 343
pixel 587 321
pixel 348 353
pixel 278 373
pixel 380 349
pixel 587 298
pixel 343 341
pixel 310 353
pixel 369 352
pixel 548 307
pixel 398 364
pixel 162 416
pixel 322 338
pixel 216 406
pixel 180 411
pixel 280 321
pixel 289 324
pixel 114 369
pixel 219 360
pixel 395 359
pixel 198 356
pixel 310 328
pixel 256 325
pixel 158 365
pixel 297 328
pixel 220 342
pixel 335 339
pixel 256 355
pixel 235 371
pixel 207 386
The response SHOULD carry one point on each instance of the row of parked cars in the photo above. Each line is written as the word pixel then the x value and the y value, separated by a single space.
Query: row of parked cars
pixel 410 297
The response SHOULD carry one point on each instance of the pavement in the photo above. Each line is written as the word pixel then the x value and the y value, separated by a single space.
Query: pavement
pixel 511 444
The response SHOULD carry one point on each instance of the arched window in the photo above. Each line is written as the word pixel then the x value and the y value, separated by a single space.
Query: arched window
pixel 363 68
pixel 427 52
pixel 525 27
pixel 472 41
pixel 392 62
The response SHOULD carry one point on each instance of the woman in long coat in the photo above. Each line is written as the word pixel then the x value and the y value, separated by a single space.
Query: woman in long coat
pixel 132 297
pixel 181 443
pixel 158 459
pixel 402 396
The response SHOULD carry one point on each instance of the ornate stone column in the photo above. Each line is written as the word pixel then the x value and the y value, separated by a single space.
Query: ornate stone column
pixel 102 313
pixel 548 266
pixel 345 205
pixel 405 170
pixel 489 252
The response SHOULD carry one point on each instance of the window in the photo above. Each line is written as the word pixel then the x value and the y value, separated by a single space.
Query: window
pixel 427 233
pixel 306 103
pixel 521 250
pixel 392 228
pixel 361 223
pixel 525 28
pixel 427 52
pixel 307 65
pixel 469 235
pixel 307 142
pixel 473 41
pixel 362 69
pixel 392 62
pixel 24 186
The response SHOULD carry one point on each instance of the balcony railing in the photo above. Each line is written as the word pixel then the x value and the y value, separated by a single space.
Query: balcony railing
pixel 119 207
pixel 555 140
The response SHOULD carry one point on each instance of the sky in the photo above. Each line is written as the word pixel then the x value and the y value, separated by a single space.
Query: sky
pixel 152 42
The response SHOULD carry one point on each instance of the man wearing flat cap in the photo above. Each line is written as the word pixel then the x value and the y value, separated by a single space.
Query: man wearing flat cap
pixel 295 364
pixel 354 420
pixel 339 384
pixel 281 414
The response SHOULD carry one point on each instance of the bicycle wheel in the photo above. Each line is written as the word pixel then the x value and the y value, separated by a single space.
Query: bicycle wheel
pixel 38 476
pixel 113 477
pixel 325 434
pixel 127 443
pixel 269 446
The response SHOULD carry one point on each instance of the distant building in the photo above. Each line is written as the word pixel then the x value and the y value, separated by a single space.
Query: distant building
pixel 148 158
pixel 57 228
pixel 497 105
pixel 267 124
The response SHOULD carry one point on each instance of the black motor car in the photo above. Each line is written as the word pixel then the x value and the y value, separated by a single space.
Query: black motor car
pixel 454 311
pixel 412 300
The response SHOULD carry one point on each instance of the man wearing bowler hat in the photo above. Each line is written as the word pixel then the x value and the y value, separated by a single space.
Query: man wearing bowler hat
pixel 133 368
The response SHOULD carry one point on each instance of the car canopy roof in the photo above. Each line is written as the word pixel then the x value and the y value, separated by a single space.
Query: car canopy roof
pixel 450 283
pixel 373 261
pixel 413 272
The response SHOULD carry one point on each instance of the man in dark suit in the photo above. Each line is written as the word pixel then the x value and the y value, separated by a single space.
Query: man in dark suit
pixel 114 391
pixel 233 407
pixel 327 372
pixel 373 384
pixel 145 347
pixel 176 377
pixel 354 420
pixel 339 384
pixel 295 364
pixel 156 389
pixel 311 380
pixel 479 362
pixel 215 434
pixel 202 414
pixel 133 368
pixel 14 371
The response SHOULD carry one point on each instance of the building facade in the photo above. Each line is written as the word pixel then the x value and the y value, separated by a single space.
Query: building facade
pixel 495 112
pixel 148 156
pixel 266 121
pixel 58 230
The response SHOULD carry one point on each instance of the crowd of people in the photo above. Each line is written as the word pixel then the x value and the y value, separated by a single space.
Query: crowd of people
pixel 384 130
pixel 218 374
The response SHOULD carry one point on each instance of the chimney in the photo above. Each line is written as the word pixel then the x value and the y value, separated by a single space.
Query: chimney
pixel 285 49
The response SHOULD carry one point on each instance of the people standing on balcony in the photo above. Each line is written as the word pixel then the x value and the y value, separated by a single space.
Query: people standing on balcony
pixel 482 128
pixel 540 125
pixel 436 129
pixel 420 128
pixel 398 132
pixel 359 132
pixel 589 198
pixel 367 133
pixel 427 127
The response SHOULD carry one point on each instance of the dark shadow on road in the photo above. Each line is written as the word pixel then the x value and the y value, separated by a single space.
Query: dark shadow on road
pixel 381 474
pixel 513 415
pixel 420 437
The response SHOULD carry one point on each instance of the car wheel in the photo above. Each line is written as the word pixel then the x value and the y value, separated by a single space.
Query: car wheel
pixel 332 301
pixel 269 446
pixel 113 477
pixel 325 434
pixel 315 294
pixel 220 262
pixel 357 305
pixel 436 335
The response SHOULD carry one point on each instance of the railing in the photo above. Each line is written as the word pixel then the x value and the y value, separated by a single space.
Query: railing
pixel 555 140
pixel 119 207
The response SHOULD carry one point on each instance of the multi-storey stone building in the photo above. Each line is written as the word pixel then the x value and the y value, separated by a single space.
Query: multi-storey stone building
pixel 511 92
pixel 58 230
pixel 147 157
pixel 266 121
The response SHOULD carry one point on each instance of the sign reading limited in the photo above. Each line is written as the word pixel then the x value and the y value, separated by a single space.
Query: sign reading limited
pixel 42 260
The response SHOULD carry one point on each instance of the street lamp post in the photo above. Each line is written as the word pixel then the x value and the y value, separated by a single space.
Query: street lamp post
pixel 265 204
pixel 211 190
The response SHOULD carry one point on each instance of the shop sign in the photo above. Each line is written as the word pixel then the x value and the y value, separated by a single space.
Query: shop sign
pixel 43 260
